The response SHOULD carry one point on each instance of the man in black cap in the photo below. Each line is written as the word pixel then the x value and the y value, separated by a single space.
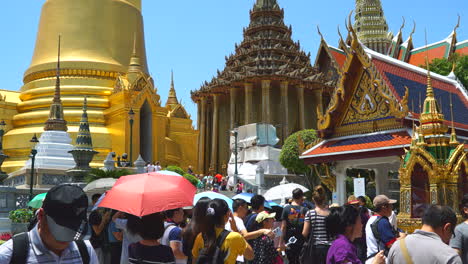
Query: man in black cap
pixel 57 238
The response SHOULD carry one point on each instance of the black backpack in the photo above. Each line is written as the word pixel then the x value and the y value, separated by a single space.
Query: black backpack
pixel 218 256
pixel 21 249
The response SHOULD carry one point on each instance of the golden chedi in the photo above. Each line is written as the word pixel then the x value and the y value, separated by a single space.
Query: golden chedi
pixel 99 39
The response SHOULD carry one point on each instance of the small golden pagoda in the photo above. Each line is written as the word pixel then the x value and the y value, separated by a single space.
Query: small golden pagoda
pixel 435 168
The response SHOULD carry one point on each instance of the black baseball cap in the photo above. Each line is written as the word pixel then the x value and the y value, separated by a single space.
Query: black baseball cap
pixel 65 208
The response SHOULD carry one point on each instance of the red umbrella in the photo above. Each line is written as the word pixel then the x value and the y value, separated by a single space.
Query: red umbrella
pixel 144 194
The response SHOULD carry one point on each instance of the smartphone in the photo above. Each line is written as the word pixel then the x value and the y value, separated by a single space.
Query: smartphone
pixel 277 232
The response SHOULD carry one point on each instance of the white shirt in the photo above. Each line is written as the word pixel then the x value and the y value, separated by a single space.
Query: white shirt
pixel 240 226
pixel 372 245
pixel 38 253
pixel 128 238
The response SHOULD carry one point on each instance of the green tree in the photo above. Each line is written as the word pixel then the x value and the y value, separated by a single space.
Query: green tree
pixel 96 174
pixel 292 147
pixel 192 179
pixel 444 67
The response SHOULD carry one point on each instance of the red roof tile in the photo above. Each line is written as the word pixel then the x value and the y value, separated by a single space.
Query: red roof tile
pixel 419 58
pixel 337 147
pixel 339 57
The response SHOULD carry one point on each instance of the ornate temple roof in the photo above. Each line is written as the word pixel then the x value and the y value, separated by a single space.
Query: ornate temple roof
pixel 56 119
pixel 372 143
pixel 266 50
pixel 399 75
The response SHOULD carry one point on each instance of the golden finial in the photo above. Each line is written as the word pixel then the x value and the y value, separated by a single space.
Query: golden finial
pixel 57 80
pixel 430 91
pixel 56 120
pixel 453 135
pixel 458 23
pixel 414 29
pixel 402 25
pixel 454 65
pixel 320 33
pixel 85 104
pixel 134 51
pixel 350 26
pixel 339 34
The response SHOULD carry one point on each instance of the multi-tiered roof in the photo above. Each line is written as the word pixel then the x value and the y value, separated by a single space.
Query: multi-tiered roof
pixel 371 26
pixel 266 51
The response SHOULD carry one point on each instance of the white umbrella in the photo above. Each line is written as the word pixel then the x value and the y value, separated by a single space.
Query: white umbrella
pixel 100 185
pixel 282 191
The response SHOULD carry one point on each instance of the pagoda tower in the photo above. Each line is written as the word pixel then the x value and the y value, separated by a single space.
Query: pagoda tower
pixel 54 143
pixel 268 79
pixel 371 26
pixel 172 101
pixel 92 58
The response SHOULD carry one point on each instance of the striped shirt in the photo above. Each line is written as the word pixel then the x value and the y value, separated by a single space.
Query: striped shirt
pixel 318 228
pixel 38 253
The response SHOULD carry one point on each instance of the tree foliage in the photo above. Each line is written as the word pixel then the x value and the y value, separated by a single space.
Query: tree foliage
pixel 290 152
pixel 176 169
pixel 192 179
pixel 96 174
pixel 444 67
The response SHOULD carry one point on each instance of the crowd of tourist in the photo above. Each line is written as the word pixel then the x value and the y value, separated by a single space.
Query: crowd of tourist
pixel 209 232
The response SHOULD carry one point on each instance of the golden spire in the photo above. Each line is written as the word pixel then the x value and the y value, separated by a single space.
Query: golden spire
pixel 453 135
pixel 172 98
pixel 135 63
pixel 56 119
pixel 432 120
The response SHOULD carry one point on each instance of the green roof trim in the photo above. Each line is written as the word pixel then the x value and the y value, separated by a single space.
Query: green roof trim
pixel 462 45
pixel 433 46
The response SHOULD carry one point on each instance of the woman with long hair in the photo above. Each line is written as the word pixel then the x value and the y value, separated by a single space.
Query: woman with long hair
pixel 211 228
pixel 192 229
pixel 345 223
pixel 315 231
pixel 149 249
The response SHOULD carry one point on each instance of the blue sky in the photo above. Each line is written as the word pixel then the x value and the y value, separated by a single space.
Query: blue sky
pixel 193 37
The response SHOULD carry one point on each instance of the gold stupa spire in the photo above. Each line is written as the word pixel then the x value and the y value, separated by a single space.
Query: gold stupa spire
pixel 453 135
pixel 56 119
pixel 135 63
pixel 172 98
pixel 432 120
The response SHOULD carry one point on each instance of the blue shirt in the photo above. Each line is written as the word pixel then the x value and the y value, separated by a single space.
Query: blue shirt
pixel 112 228
pixel 38 253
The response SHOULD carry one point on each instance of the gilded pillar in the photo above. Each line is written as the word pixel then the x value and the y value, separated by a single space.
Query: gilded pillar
pixel 318 103
pixel 201 136
pixel 214 136
pixel 285 109
pixel 248 103
pixel 232 97
pixel 266 114
pixel 300 99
